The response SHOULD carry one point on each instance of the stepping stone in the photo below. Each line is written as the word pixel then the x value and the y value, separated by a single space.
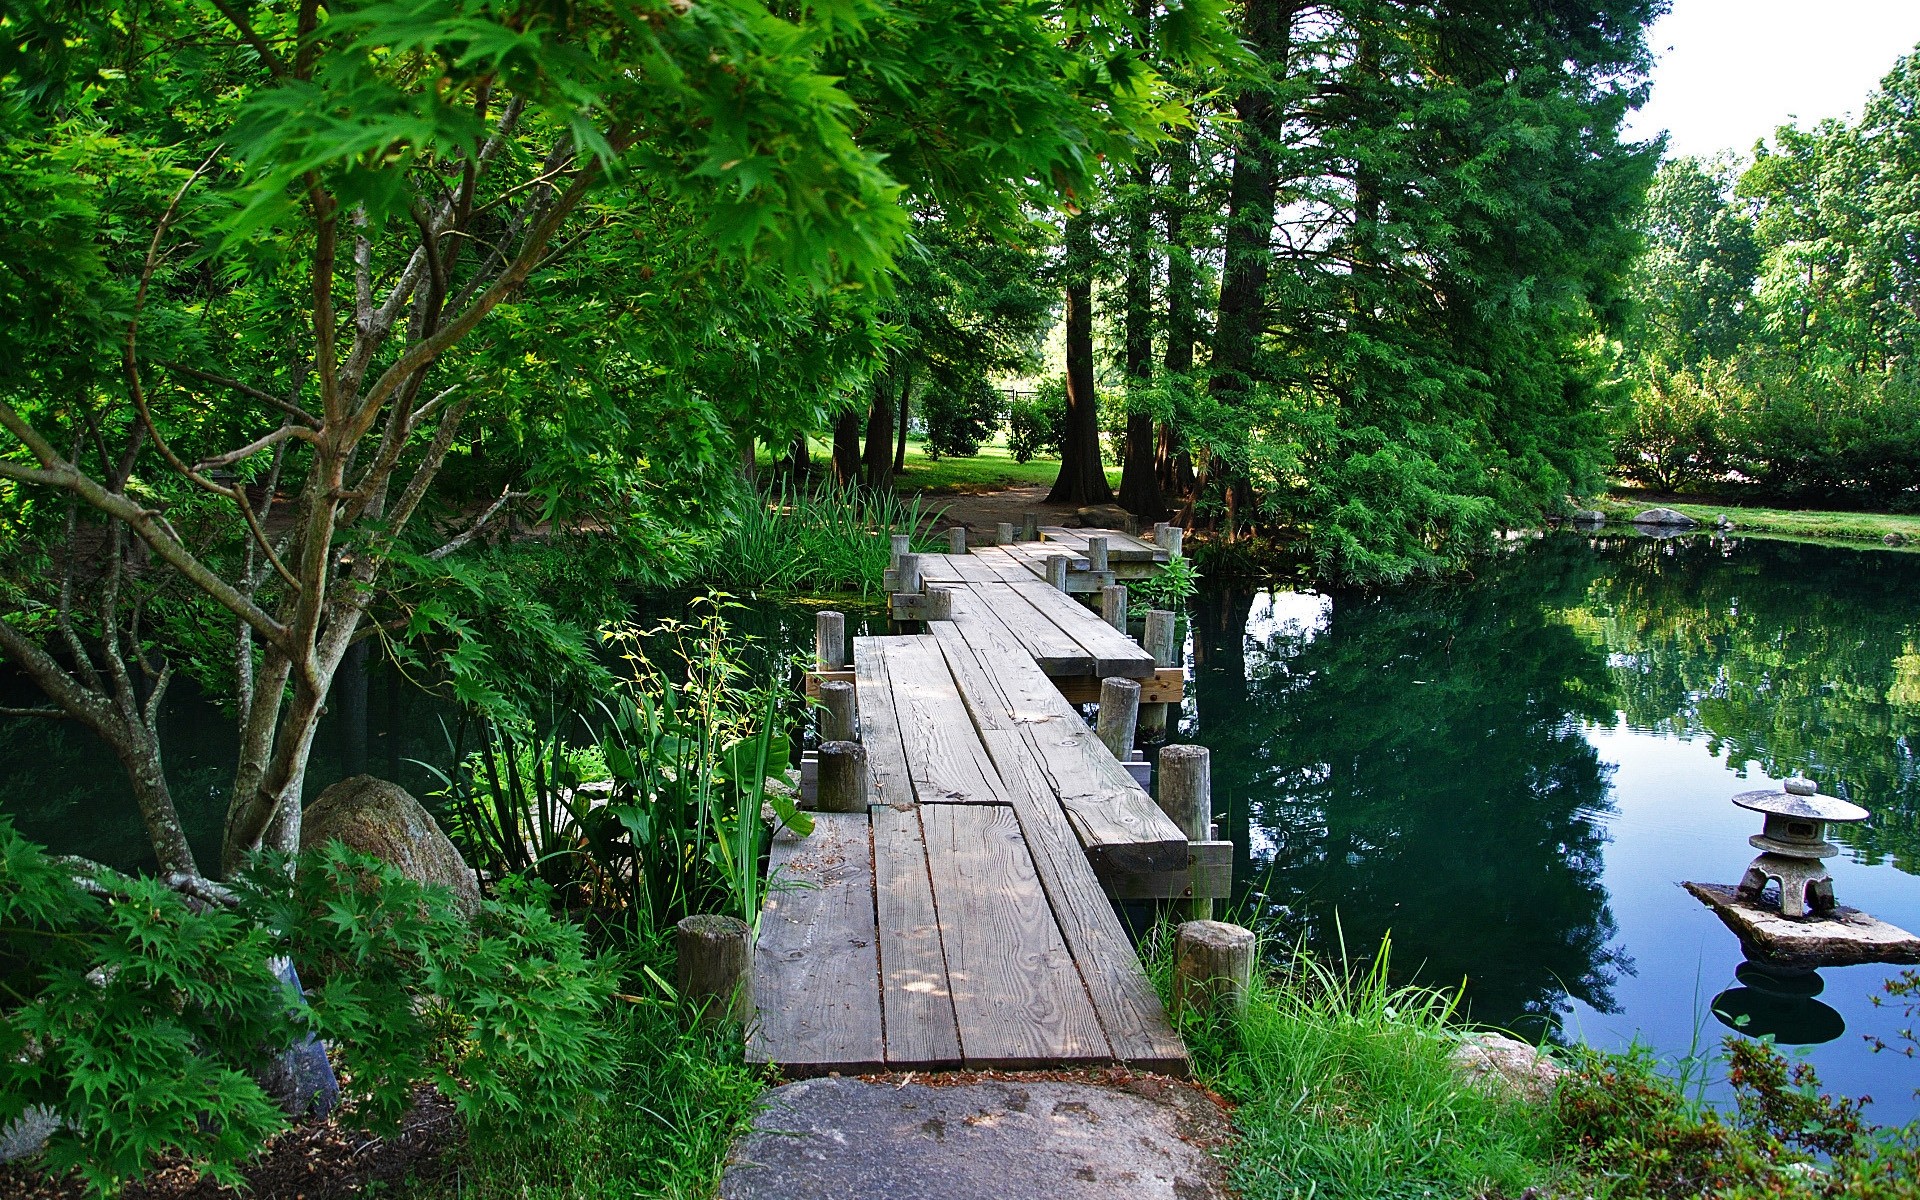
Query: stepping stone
pixel 845 1139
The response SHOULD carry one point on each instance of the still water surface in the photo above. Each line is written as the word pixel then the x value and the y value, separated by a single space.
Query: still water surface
pixel 1510 776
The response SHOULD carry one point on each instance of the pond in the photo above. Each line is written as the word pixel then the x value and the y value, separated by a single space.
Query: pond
pixel 1510 776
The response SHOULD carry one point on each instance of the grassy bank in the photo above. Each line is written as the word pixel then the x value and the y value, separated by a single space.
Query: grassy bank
pixel 1803 524
pixel 1346 1088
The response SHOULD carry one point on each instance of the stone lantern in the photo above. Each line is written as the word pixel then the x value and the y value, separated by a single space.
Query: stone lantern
pixel 1792 845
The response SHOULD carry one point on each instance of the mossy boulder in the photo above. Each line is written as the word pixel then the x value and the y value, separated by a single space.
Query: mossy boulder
pixel 382 819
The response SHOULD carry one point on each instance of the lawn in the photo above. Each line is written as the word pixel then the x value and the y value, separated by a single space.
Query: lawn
pixel 1810 524
pixel 988 471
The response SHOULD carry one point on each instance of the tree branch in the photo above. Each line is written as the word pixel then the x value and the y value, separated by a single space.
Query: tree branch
pixel 507 493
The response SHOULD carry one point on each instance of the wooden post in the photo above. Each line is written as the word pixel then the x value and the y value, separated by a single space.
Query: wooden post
pixel 715 967
pixel 1119 713
pixel 1158 639
pixel 938 605
pixel 839 720
pixel 1097 553
pixel 902 545
pixel 1212 968
pixel 843 777
pixel 1113 605
pixel 1186 796
pixel 1030 527
pixel 829 641
pixel 1169 539
pixel 1057 571
pixel 907 574
pixel 957 540
pixel 1003 533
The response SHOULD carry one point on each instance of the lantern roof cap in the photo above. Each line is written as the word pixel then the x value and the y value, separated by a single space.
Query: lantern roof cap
pixel 1798 797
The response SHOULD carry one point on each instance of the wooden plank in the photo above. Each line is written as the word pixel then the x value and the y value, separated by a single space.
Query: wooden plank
pixel 816 968
pixel 1055 652
pixel 879 725
pixel 1018 996
pixel 972 570
pixel 1125 999
pixel 1121 547
pixel 1208 876
pixel 1115 820
pixel 1114 653
pixel 1167 685
pixel 939 568
pixel 1034 556
pixel 945 759
pixel 922 1030
pixel 1008 566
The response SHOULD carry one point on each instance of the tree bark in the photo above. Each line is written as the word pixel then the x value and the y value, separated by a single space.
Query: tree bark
pixel 846 449
pixel 1139 483
pixel 1083 478
pixel 1173 466
pixel 900 434
pixel 1251 199
pixel 799 460
pixel 879 455
pixel 1251 196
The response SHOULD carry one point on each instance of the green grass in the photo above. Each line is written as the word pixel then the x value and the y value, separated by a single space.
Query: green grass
pixel 1346 1091
pixel 678 1100
pixel 1799 524
pixel 991 470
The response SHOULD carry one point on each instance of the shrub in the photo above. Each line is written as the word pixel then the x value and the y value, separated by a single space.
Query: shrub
pixel 820 539
pixel 1035 427
pixel 137 1016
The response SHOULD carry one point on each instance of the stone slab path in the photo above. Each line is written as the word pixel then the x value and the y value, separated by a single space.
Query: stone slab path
pixel 994 1139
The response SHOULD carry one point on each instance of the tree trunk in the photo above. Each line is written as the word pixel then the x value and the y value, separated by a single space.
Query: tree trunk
pixel 1082 478
pixel 879 455
pixel 1173 466
pixel 1139 484
pixel 799 460
pixel 900 434
pixel 1251 198
pixel 846 449
pixel 1250 206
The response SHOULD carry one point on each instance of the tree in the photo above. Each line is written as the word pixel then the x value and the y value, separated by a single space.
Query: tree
pixel 390 206
pixel 1082 478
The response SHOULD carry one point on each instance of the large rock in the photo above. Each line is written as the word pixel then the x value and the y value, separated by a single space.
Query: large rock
pixel 1507 1064
pixel 1843 937
pixel 381 819
pixel 1108 516
pixel 846 1139
pixel 1588 516
pixel 1665 518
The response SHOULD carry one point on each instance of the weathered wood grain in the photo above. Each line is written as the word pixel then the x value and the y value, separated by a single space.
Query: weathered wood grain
pixel 945 759
pixel 1114 653
pixel 816 973
pixel 1017 994
pixel 921 1028
pixel 879 725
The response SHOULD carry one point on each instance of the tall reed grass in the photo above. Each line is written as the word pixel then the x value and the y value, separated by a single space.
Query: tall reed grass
pixel 823 538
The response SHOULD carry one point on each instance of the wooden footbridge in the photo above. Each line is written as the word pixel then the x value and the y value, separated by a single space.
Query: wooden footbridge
pixel 957 909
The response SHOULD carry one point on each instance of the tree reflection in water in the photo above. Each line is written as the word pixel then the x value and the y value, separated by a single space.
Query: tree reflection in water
pixel 1414 761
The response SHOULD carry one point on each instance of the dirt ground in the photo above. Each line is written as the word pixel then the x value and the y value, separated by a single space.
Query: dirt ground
pixel 980 512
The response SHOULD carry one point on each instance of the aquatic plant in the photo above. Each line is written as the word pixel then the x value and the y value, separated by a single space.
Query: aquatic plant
pixel 643 805
pixel 820 539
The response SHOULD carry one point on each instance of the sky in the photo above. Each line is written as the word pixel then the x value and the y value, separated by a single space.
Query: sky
pixel 1728 71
